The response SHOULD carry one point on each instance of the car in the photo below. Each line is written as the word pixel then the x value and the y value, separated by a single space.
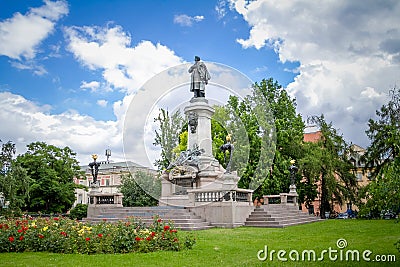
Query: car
pixel 388 214
pixel 343 215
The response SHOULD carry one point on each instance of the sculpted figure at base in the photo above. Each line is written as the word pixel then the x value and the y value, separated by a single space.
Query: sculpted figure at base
pixel 199 78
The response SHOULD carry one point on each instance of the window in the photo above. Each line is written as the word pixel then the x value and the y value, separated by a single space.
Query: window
pixel 107 182
pixel 359 176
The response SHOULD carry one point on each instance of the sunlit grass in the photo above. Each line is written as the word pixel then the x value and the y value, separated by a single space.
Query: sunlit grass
pixel 239 247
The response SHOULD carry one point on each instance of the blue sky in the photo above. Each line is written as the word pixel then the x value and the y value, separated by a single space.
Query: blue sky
pixel 69 69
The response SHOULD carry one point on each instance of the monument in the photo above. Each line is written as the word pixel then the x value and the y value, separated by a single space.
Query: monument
pixel 99 201
pixel 196 180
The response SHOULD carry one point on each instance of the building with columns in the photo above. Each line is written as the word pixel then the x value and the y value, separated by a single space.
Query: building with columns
pixel 109 178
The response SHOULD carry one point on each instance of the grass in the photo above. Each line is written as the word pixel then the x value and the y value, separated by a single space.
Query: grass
pixel 239 247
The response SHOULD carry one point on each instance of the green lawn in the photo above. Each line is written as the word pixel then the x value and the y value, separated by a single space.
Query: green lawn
pixel 239 247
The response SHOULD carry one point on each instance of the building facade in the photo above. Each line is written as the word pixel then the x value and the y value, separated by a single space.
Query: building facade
pixel 109 178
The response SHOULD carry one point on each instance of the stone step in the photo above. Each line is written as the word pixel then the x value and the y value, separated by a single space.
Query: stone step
pixel 277 216
pixel 181 218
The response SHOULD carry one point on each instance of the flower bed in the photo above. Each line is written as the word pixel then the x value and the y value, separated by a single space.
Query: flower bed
pixel 63 235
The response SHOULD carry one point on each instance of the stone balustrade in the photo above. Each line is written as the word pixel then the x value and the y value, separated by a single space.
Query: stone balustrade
pixel 218 195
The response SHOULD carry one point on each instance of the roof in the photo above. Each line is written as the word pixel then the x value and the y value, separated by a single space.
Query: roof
pixel 114 165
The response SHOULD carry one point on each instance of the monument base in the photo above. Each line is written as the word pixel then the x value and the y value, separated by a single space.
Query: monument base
pixel 99 201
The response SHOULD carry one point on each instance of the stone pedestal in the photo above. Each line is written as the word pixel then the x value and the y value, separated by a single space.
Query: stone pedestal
pixel 98 201
pixel 202 134
pixel 292 189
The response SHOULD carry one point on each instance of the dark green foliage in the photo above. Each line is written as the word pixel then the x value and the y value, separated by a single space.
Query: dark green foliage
pixel 51 170
pixel 14 181
pixel 78 212
pixel 383 193
pixel 141 190
pixel 328 162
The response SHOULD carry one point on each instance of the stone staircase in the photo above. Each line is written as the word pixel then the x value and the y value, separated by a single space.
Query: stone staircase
pixel 278 216
pixel 182 218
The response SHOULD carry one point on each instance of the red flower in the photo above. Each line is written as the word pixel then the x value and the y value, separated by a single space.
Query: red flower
pixel 41 236
pixel 173 231
pixel 159 220
pixel 56 218
pixel 11 239
pixel 21 238
pixel 100 235
pixel 1 226
pixel 87 238
pixel 63 233
pixel 175 239
pixel 19 230
pixel 148 238
pixel 138 238
pixel 153 234
pixel 104 219
pixel 166 228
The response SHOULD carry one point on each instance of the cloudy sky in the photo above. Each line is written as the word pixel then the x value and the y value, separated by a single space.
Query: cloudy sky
pixel 70 69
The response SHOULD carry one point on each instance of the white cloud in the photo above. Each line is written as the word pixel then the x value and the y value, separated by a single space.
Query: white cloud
pixel 21 34
pixel 24 122
pixel 93 85
pixel 185 20
pixel 102 103
pixel 348 53
pixel 109 49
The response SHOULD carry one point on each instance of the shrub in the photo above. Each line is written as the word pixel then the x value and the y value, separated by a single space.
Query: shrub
pixel 63 235
pixel 78 212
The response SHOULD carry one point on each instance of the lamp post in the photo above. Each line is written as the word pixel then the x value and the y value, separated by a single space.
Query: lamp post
pixel 94 167
pixel 293 170
pixel 2 198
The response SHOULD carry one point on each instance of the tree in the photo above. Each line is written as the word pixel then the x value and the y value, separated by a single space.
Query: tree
pixel 141 190
pixel 52 170
pixel 168 136
pixel 383 193
pixel 330 158
pixel 289 128
pixel 14 180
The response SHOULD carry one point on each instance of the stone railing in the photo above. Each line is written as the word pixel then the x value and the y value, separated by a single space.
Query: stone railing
pixel 236 195
pixel 104 198
pixel 282 198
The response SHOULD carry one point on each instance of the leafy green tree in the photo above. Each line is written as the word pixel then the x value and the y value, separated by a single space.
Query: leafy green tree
pixel 383 193
pixel 330 158
pixel 289 128
pixel 14 181
pixel 141 190
pixel 168 136
pixel 52 170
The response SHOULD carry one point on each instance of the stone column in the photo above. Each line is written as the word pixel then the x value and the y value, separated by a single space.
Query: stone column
pixel 202 133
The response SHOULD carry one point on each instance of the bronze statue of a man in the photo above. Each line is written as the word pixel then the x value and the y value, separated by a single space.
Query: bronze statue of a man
pixel 200 77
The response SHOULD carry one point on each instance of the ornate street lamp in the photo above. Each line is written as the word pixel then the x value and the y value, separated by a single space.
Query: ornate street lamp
pixel 94 167
pixel 293 170
pixel 2 198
